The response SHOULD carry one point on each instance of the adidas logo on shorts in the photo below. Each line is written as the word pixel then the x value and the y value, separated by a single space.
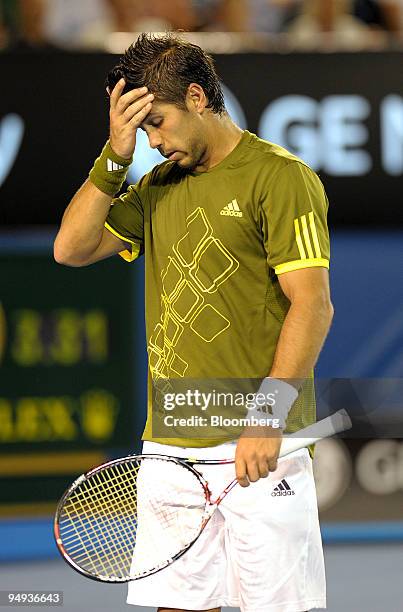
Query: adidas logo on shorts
pixel 282 489
pixel 231 210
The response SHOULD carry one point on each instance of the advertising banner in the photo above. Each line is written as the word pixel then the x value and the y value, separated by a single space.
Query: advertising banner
pixel 54 121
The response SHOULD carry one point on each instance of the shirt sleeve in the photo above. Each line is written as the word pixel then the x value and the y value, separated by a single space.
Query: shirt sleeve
pixel 293 219
pixel 126 219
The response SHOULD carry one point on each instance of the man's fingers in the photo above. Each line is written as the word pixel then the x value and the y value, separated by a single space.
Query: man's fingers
pixel 140 115
pixel 120 101
pixel 255 458
pixel 131 96
pixel 116 93
pixel 240 471
pixel 273 465
pixel 137 107
pixel 264 469
pixel 253 471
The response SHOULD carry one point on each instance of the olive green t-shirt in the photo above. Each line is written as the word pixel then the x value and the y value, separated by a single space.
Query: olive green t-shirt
pixel 214 245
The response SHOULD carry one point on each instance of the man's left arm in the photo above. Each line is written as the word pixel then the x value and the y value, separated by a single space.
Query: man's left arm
pixel 306 325
pixel 301 339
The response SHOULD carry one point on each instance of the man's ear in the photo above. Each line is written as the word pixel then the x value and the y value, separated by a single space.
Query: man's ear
pixel 196 98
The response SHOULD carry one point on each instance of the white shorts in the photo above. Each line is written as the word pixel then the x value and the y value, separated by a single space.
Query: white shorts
pixel 261 551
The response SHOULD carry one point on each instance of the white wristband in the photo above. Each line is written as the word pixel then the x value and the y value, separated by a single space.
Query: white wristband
pixel 273 402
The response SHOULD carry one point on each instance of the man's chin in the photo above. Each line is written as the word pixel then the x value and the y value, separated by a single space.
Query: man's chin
pixel 186 163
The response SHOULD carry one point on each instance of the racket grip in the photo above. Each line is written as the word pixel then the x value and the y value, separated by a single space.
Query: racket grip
pixel 331 425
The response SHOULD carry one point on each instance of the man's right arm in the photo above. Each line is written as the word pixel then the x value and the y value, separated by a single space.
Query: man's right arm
pixel 82 238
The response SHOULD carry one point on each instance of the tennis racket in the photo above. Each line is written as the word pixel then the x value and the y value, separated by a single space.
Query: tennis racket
pixel 122 520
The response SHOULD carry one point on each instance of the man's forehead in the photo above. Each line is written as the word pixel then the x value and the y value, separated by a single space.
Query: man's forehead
pixel 157 110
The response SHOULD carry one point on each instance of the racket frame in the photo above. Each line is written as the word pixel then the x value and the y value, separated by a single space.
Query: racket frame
pixel 187 463
pixel 336 423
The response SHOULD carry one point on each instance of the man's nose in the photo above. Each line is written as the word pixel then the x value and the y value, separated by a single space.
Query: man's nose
pixel 155 140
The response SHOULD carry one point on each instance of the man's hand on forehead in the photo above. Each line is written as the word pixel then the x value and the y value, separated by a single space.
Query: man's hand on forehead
pixel 127 112
pixel 118 97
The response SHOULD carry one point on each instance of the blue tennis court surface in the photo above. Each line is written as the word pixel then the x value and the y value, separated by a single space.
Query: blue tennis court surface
pixel 361 578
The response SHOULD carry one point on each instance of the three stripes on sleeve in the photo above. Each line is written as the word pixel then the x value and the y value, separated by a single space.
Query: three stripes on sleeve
pixel 307 249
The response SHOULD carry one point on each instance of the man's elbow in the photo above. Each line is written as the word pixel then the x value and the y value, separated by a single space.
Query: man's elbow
pixel 325 309
pixel 66 257
pixel 320 305
pixel 331 312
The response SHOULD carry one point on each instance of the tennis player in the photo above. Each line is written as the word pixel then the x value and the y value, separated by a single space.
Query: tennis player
pixel 234 234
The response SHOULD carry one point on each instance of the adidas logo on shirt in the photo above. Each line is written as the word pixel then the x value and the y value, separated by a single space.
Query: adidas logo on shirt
pixel 282 489
pixel 231 210
pixel 113 166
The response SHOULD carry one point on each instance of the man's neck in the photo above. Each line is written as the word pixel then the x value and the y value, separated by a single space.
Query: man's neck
pixel 224 135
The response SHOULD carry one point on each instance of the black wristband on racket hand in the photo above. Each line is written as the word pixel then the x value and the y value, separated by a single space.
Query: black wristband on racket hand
pixel 109 171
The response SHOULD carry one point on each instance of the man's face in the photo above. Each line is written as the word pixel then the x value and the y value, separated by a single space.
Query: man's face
pixel 177 134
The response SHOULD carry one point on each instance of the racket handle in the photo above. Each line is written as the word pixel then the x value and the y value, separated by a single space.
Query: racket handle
pixel 331 425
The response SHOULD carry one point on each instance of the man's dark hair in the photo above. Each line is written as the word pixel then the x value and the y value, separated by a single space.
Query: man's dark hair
pixel 167 65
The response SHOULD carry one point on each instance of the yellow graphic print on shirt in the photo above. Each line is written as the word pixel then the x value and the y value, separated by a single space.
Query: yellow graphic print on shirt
pixel 192 274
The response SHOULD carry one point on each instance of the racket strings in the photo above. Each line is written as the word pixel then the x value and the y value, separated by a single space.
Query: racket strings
pixel 170 510
pixel 132 518
pixel 97 523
